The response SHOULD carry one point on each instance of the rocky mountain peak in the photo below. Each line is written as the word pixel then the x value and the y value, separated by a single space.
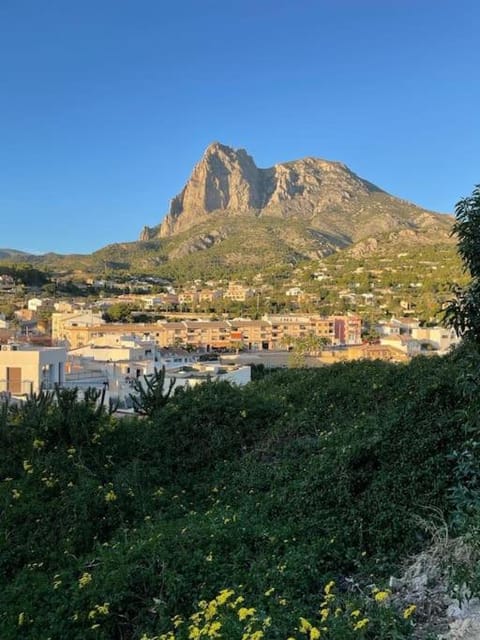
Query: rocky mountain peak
pixel 228 180
pixel 224 179
pixel 334 205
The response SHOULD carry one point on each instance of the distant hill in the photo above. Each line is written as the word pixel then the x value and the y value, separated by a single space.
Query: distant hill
pixel 13 254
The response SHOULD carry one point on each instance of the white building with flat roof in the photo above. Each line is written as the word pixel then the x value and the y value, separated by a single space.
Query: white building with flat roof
pixel 26 369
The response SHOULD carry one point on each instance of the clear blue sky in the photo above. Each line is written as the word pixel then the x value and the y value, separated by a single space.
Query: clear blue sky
pixel 106 105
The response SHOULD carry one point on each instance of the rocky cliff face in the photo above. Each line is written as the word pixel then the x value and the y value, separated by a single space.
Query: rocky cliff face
pixel 228 180
pixel 298 210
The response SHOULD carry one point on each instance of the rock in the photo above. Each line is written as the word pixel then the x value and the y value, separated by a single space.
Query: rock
pixel 395 584
pixel 466 629
pixel 145 234
pixel 327 193
pixel 465 609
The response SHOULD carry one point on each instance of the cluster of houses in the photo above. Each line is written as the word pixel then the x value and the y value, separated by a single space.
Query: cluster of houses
pixel 407 336
pixel 27 369
pixel 90 352
pixel 87 351
pixel 269 333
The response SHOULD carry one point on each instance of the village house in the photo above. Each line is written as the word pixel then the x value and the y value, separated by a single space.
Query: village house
pixel 68 326
pixel 403 342
pixel 34 304
pixel 210 295
pixel 238 292
pixel 25 369
pixel 441 339
pixel 189 297
pixel 189 377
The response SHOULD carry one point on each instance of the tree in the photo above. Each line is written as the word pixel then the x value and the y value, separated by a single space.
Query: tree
pixel 463 312
pixel 119 312
pixel 151 396
pixel 299 348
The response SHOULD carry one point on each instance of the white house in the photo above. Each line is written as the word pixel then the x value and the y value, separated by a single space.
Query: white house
pixel 440 338
pixel 26 369
pixel 189 377
pixel 293 292
pixel 34 304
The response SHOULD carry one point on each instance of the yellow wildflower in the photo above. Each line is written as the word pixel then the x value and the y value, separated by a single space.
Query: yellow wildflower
pixel 243 613
pixel 111 496
pixel 381 596
pixel 236 602
pixel 16 494
pixel 177 621
pixel 103 609
pixel 224 595
pixel 356 613
pixel 38 444
pixel 269 592
pixel 324 613
pixel 21 618
pixel 214 629
pixel 84 579
pixel 329 587
pixel 305 625
pixel 27 466
pixel 409 611
pixel 211 610
pixel 314 633
pixel 360 624
pixel 193 632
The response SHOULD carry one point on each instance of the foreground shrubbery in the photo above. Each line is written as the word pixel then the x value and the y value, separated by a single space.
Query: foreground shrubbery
pixel 306 478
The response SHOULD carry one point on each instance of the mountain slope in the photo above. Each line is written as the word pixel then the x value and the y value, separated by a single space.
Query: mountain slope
pixel 13 254
pixel 325 204
pixel 327 194
pixel 232 217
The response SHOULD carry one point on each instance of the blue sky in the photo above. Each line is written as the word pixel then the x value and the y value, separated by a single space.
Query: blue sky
pixel 106 105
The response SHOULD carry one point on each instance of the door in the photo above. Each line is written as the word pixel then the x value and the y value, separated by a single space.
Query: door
pixel 14 379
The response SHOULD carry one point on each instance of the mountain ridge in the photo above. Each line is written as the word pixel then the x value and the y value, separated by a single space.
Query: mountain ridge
pixel 231 213
pixel 335 205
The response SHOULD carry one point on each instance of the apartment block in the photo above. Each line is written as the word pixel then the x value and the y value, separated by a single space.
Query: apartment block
pixel 270 333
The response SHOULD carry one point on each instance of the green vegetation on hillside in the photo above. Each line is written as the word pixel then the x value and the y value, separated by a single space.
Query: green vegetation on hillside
pixel 113 527
pixel 24 273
